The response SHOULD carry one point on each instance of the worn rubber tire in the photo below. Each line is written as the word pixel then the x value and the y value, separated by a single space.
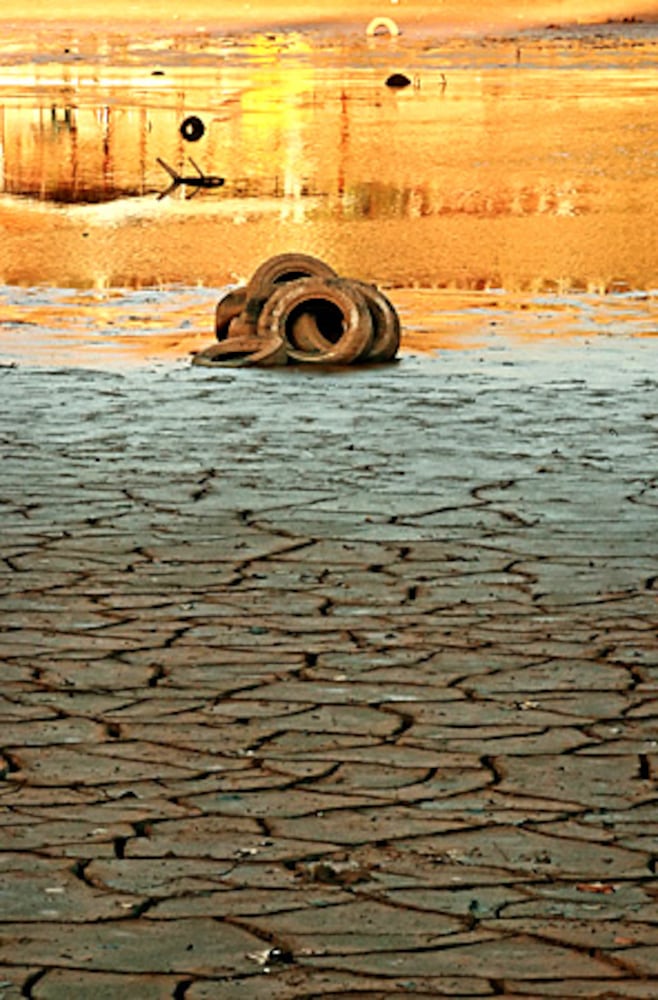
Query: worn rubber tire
pixel 243 352
pixel 242 326
pixel 192 128
pixel 278 270
pixel 386 24
pixel 340 312
pixel 306 336
pixel 385 322
pixel 227 309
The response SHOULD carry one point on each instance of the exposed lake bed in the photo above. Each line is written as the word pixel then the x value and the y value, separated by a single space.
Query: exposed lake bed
pixel 323 683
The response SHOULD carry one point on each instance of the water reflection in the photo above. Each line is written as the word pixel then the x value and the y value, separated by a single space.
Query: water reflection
pixel 510 164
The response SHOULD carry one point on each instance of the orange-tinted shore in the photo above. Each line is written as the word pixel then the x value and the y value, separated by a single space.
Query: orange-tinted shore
pixel 517 169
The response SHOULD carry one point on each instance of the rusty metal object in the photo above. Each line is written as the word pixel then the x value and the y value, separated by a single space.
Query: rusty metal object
pixel 306 335
pixel 296 308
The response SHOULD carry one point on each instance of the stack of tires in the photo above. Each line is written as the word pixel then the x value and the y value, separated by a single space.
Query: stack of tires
pixel 297 309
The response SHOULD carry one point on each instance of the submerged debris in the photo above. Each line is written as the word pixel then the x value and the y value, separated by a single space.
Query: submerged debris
pixel 382 26
pixel 195 181
pixel 192 128
pixel 398 81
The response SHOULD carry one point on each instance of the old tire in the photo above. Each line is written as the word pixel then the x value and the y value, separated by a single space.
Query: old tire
pixel 278 270
pixel 242 352
pixel 227 309
pixel 340 313
pixel 385 323
pixel 382 25
pixel 306 336
pixel 192 128
pixel 242 326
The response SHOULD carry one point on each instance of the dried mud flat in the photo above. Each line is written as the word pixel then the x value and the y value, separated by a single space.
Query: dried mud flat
pixel 332 684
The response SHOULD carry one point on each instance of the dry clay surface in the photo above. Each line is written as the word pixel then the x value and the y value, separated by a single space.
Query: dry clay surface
pixel 331 683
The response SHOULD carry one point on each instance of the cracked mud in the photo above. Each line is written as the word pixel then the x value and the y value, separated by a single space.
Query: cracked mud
pixel 331 686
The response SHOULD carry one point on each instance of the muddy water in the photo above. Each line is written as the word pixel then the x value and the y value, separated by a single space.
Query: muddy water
pixel 511 169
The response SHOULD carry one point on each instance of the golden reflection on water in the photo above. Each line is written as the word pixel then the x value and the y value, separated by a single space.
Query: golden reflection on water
pixel 524 164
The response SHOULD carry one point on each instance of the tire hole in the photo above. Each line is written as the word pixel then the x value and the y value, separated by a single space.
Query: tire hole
pixel 326 315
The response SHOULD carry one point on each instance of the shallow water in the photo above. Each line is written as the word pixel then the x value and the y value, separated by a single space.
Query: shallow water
pixel 519 166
